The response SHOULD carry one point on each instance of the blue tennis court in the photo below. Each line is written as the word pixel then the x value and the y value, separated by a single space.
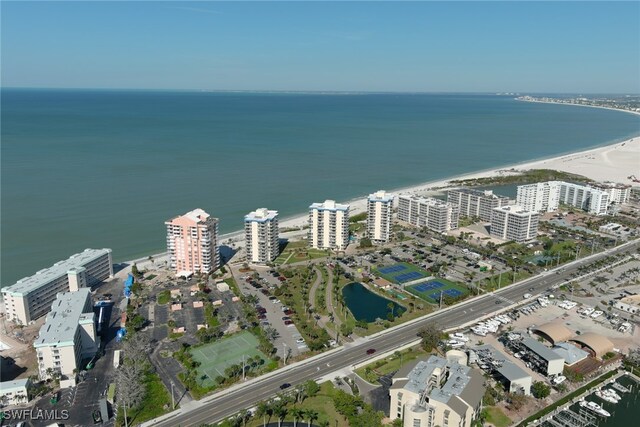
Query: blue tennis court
pixel 451 292
pixel 392 268
pixel 428 286
pixel 406 277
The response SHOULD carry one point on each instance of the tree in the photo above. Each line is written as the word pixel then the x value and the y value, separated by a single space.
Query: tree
pixel 516 401
pixel 263 410
pixel 311 388
pixel 540 390
pixel 130 388
pixel 134 270
pixel 431 335
pixel 365 242
pixel 346 330
pixel 297 414
pixel 281 412
pixel 312 415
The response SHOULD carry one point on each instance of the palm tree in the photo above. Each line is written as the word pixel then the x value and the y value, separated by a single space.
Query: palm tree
pixel 263 410
pixel 311 416
pixel 281 412
pixel 297 414
pixel 324 423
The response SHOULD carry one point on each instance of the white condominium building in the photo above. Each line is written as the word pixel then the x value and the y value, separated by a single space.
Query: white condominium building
pixel 593 200
pixel 434 214
pixel 261 235
pixel 329 225
pixel 618 193
pixel 539 197
pixel 475 202
pixel 436 392
pixel 379 211
pixel 514 223
pixel 31 297
pixel 68 336
pixel 192 243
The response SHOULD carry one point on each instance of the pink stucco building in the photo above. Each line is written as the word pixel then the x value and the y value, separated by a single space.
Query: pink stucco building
pixel 192 243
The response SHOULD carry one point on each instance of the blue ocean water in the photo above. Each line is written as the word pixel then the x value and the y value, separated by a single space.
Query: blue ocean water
pixel 83 168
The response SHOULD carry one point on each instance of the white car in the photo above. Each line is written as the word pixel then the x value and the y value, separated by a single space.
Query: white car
pixel 300 341
pixel 526 296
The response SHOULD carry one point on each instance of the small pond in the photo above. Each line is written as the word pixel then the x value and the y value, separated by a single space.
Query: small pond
pixel 366 305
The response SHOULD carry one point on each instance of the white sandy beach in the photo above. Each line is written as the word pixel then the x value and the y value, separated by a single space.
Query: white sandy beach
pixel 615 162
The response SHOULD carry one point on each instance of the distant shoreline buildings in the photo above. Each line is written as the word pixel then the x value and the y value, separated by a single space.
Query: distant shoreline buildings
pixel 476 203
pixel 512 222
pixel 428 212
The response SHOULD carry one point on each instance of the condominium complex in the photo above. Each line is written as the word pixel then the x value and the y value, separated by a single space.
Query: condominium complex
pixel 68 336
pixel 15 392
pixel 434 214
pixel 379 211
pixel 329 225
pixel 436 392
pixel 192 243
pixel 514 223
pixel 595 198
pixel 540 197
pixel 31 297
pixel 261 235
pixel 475 202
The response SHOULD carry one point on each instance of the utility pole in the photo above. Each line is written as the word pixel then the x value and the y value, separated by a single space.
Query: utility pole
pixel 500 279
pixel 284 353
pixel 243 367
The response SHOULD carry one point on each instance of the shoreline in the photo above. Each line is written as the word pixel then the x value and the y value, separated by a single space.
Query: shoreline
pixel 637 113
pixel 579 162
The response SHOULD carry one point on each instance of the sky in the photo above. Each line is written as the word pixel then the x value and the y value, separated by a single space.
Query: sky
pixel 568 47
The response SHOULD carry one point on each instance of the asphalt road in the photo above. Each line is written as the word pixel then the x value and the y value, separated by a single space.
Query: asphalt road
pixel 232 401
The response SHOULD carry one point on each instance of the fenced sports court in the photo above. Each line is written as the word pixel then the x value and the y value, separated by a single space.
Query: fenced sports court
pixel 430 290
pixel 401 273
pixel 215 357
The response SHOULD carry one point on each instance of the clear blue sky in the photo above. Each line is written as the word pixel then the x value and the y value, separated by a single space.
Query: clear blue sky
pixel 588 47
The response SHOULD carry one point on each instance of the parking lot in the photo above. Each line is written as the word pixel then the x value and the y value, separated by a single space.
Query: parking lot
pixel 271 311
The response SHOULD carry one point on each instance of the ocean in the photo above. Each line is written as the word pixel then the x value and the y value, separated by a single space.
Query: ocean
pixel 99 168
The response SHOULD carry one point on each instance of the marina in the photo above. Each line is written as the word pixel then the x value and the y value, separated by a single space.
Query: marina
pixel 618 406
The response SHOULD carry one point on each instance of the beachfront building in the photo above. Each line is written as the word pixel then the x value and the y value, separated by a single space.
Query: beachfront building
pixel 618 193
pixel 590 199
pixel 192 243
pixel 428 212
pixel 329 225
pixel 436 392
pixel 31 297
pixel 476 203
pixel 68 336
pixel 379 211
pixel 15 392
pixel 261 235
pixel 514 223
pixel 540 197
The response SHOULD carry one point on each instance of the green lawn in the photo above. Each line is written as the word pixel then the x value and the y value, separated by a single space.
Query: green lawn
pixel 156 402
pixel 298 251
pixel 427 294
pixel 393 276
pixel 496 417
pixel 375 370
pixel 164 297
pixel 215 357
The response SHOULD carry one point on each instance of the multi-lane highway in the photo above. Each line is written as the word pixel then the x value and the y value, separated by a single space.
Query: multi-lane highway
pixel 228 402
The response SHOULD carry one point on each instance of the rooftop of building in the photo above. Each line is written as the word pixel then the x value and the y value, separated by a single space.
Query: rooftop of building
pixel 261 215
pixel 422 199
pixel 381 196
pixel 329 205
pixel 569 352
pixel 482 193
pixel 508 369
pixel 197 216
pixel 462 384
pixel 28 284
pixel 540 349
pixel 515 210
pixel 14 385
pixel 62 321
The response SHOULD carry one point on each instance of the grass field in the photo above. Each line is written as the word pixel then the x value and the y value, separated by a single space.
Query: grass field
pixel 214 358
pixel 298 251
pixel 430 290
pixel 401 272
pixel 496 417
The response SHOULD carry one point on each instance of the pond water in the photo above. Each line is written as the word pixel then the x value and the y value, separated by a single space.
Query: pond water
pixel 366 305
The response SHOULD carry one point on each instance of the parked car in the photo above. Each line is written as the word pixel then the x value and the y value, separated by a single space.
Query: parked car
pixel 371 351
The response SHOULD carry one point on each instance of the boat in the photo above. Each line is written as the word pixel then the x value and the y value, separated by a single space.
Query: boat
pixel 607 397
pixel 594 407
pixel 460 337
pixel 613 394
pixel 620 387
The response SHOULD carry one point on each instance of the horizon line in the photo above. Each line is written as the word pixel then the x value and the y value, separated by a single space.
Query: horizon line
pixel 315 91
